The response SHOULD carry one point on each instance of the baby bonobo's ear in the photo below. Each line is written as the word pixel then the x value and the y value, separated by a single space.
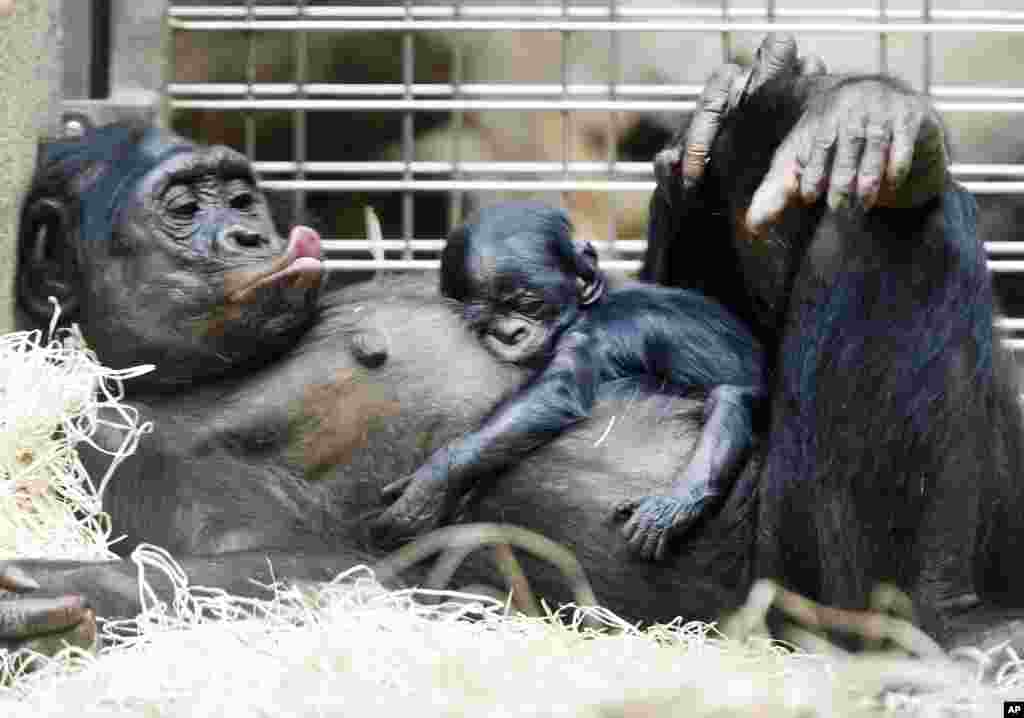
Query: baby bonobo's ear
pixel 590 281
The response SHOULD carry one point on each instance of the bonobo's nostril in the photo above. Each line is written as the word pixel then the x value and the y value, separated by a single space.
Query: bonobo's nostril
pixel 239 238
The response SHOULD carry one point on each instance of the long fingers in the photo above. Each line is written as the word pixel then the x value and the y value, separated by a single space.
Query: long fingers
pixel 849 148
pixel 904 139
pixel 29 616
pixel 14 579
pixel 776 56
pixel 706 122
pixel 814 179
pixel 878 140
pixel 780 186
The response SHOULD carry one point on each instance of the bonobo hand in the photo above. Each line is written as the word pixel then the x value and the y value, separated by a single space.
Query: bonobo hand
pixel 419 503
pixel 42 623
pixel 864 137
pixel 651 523
pixel 860 136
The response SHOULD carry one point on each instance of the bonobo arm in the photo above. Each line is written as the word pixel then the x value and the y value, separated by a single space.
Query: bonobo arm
pixel 652 522
pixel 54 597
pixel 560 396
pixel 868 137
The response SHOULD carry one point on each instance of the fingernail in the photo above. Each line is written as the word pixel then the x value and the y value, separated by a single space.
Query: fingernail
pixel 14 579
pixel 837 202
pixel 868 191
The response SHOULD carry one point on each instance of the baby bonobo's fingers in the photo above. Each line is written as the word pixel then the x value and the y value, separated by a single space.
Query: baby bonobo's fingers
pixel 646 544
pixel 663 541
pixel 14 579
pixel 390 493
pixel 707 119
pixel 24 617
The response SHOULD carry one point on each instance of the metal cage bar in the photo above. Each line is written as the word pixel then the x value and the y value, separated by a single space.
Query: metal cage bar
pixel 559 174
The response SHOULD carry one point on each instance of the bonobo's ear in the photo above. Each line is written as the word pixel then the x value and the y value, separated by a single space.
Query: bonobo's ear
pixel 47 265
pixel 453 264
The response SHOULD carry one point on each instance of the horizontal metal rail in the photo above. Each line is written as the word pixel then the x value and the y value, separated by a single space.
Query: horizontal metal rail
pixel 546 12
pixel 545 24
pixel 563 185
pixel 466 167
pixel 553 105
pixel 572 168
pixel 537 105
pixel 622 246
pixel 436 89
pixel 614 265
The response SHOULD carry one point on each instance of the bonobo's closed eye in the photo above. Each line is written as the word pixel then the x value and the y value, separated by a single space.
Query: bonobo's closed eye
pixel 520 276
pixel 174 246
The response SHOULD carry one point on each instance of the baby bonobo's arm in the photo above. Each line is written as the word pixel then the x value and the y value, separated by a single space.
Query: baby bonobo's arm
pixel 652 522
pixel 556 399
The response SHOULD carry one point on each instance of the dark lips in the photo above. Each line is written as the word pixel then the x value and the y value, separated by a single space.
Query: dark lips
pixel 299 267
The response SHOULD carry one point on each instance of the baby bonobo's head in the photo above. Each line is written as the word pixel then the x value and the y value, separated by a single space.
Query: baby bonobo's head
pixel 520 277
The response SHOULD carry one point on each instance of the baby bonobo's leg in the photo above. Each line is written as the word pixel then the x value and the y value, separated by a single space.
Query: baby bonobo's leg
pixel 652 522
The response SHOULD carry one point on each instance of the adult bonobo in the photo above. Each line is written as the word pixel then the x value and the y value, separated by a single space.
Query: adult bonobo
pixel 277 446
pixel 272 436
pixel 895 426
pixel 537 298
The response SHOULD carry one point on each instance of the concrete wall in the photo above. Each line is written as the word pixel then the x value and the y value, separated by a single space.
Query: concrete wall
pixel 30 44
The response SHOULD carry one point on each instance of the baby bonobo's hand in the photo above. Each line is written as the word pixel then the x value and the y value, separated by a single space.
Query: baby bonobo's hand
pixel 420 503
pixel 653 522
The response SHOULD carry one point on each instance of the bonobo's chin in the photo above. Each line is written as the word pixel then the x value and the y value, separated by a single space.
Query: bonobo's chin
pixel 261 312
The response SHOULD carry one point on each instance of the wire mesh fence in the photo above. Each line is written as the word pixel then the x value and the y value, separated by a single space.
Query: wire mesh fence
pixel 559 89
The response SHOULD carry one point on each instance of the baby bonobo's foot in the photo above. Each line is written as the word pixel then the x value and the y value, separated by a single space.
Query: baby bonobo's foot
pixel 653 522
pixel 419 503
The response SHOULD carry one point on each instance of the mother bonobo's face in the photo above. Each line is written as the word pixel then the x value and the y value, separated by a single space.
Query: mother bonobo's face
pixel 165 253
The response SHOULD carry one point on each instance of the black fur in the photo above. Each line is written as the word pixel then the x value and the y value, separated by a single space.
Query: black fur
pixel 894 452
pixel 538 298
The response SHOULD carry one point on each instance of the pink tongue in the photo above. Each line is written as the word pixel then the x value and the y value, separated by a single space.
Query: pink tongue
pixel 303 242
pixel 301 263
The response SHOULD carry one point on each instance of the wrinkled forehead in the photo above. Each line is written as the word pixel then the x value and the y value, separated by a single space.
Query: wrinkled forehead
pixel 190 163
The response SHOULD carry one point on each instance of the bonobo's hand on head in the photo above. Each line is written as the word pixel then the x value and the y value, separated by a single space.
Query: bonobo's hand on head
pixel 863 137
pixel 164 252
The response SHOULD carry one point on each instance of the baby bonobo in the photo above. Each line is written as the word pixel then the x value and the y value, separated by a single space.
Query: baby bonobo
pixel 536 297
